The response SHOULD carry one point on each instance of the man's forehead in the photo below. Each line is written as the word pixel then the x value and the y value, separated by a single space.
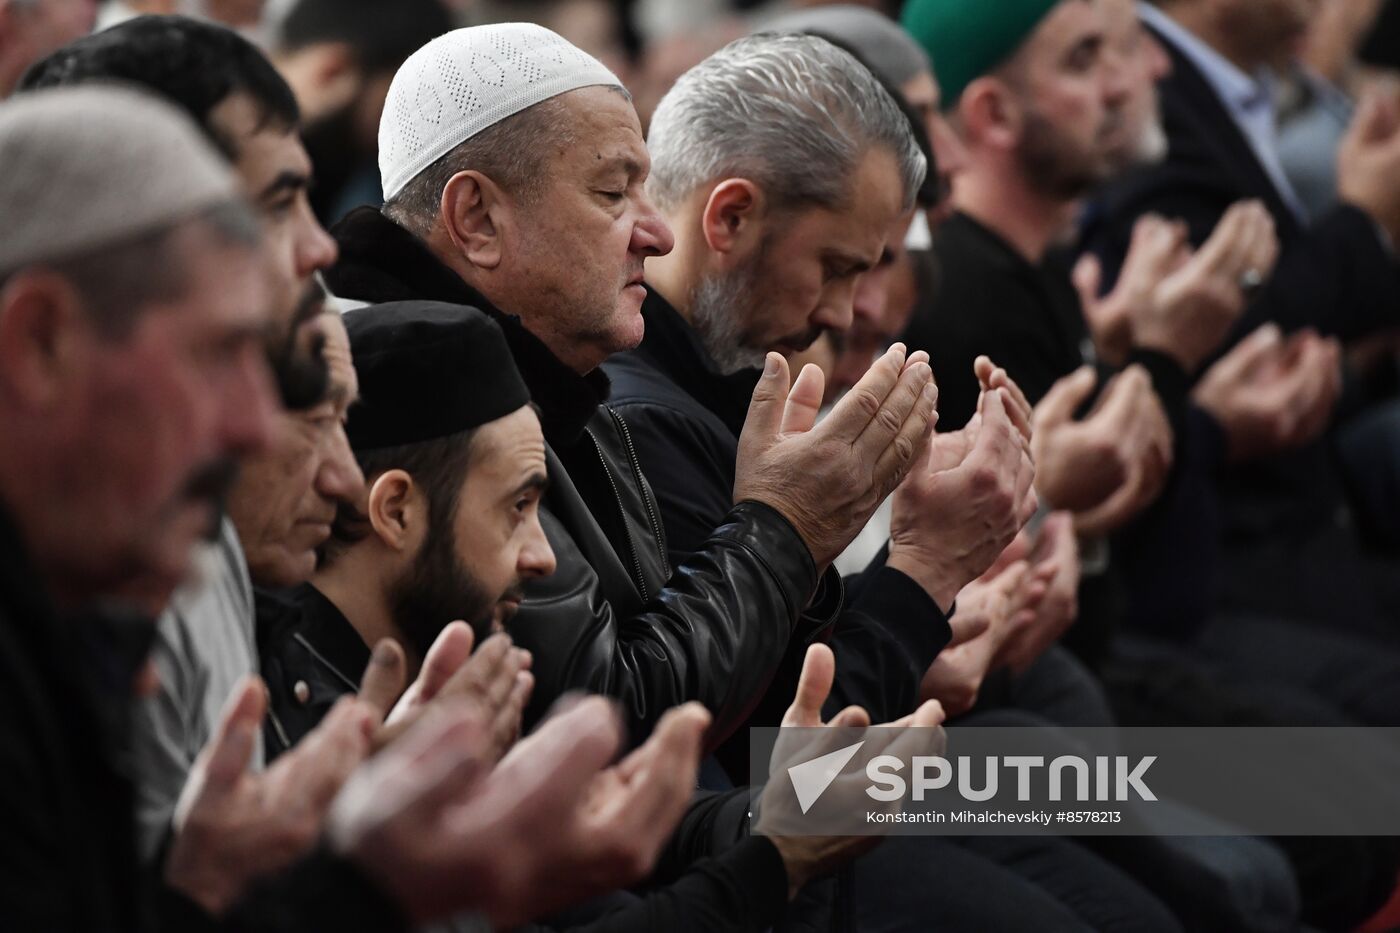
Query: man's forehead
pixel 1120 20
pixel 1065 27
pixel 263 149
pixel 512 443
pixel 605 127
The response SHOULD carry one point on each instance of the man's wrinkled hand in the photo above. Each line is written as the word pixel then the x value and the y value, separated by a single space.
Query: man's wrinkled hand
pixel 551 825
pixel 807 856
pixel 827 479
pixel 496 677
pixel 1171 299
pixel 233 825
pixel 1000 600
pixel 958 510
pixel 1110 465
pixel 1055 567
pixel 1368 160
pixel 1271 394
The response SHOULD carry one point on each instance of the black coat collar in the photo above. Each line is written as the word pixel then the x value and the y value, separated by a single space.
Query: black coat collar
pixel 673 347
pixel 332 637
pixel 380 261
pixel 1204 135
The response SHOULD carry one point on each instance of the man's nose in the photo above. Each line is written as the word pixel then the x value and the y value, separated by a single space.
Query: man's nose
pixel 537 557
pixel 340 478
pixel 651 235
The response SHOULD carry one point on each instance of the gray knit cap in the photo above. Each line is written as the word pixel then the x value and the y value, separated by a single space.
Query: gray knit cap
pixel 86 167
pixel 878 41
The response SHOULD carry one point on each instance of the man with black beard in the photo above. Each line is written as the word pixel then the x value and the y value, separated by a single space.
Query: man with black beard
pixel 447 527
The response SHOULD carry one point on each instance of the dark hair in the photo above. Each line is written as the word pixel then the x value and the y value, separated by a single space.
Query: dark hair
pixel 192 64
pixel 381 34
pixel 438 467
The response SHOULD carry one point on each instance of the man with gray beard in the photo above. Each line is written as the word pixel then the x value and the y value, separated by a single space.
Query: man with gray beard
pixel 777 219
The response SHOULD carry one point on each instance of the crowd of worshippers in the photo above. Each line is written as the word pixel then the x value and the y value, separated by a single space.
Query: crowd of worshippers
pixel 987 364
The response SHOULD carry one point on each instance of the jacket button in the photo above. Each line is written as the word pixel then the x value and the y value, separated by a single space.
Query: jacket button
pixel 302 692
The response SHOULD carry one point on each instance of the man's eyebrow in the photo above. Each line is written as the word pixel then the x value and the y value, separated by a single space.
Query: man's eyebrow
pixel 536 482
pixel 288 180
pixel 851 263
pixel 628 164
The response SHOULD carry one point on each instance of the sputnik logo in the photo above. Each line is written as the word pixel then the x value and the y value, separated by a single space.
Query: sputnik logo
pixel 811 779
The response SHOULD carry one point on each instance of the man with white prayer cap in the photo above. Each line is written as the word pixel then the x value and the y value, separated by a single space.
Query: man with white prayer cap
pixel 133 303
pixel 514 168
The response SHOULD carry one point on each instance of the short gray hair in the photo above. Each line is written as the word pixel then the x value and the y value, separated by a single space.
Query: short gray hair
pixel 793 113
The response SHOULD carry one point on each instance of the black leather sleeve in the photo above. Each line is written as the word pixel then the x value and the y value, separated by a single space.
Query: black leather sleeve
pixel 715 633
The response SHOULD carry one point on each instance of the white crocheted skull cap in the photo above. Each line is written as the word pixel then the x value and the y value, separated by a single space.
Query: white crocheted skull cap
pixel 467 80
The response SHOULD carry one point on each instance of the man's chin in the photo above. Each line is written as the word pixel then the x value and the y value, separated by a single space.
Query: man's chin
pixel 628 328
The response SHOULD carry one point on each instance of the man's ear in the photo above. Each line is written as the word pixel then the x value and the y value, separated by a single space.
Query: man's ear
pixel 990 114
pixel 730 217
pixel 44 335
pixel 396 510
pixel 473 208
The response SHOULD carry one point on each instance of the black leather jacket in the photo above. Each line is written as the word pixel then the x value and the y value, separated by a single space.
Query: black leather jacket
pixel 615 617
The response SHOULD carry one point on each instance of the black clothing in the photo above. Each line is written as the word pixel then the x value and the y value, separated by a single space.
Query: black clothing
pixel 711 876
pixel 614 618
pixel 68 853
pixel 1028 319
pixel 992 301
pixel 1335 275
pixel 686 419
pixel 309 656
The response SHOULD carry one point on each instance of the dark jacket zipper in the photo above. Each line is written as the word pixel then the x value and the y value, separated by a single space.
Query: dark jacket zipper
pixel 626 525
pixel 656 527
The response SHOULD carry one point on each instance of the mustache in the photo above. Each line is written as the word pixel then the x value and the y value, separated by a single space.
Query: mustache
pixel 312 303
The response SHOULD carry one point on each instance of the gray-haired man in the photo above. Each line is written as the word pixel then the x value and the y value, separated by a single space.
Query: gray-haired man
pixel 514 168
pixel 778 215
